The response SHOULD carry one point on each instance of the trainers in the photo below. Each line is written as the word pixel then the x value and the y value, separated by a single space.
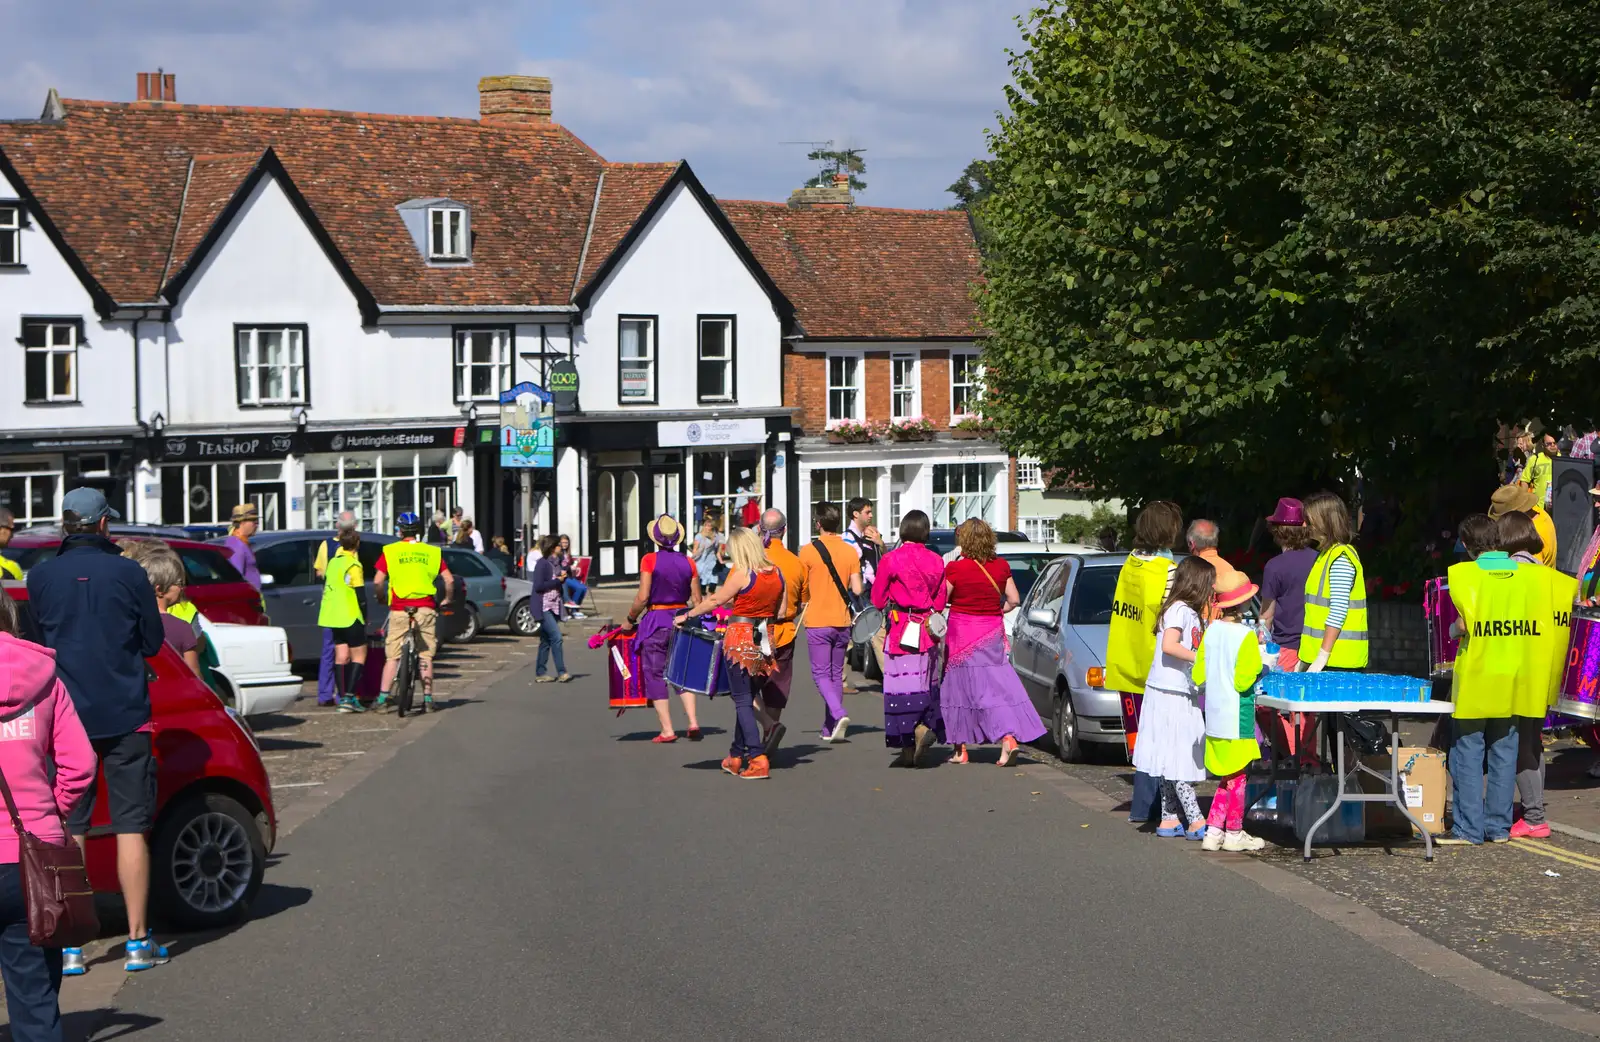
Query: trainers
pixel 1523 830
pixel 732 765
pixel 756 770
pixel 428 705
pixel 839 732
pixel 565 678
pixel 381 704
pixel 1241 841
pixel 1213 840
pixel 143 954
pixel 72 964
pixel 351 705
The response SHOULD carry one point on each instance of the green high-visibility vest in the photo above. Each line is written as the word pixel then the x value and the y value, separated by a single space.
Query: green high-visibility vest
pixel 1131 639
pixel 341 598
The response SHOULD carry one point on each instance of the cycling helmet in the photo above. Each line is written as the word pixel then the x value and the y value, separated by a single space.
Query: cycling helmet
pixel 409 522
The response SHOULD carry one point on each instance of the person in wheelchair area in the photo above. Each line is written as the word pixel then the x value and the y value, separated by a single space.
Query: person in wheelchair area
pixel 408 570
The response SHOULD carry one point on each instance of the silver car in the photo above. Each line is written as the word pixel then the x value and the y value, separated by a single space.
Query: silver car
pixel 1059 651
pixel 488 600
pixel 523 619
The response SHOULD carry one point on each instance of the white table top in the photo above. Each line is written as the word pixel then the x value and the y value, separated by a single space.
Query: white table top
pixel 1295 705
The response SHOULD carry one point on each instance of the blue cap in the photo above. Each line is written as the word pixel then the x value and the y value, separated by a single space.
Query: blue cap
pixel 89 504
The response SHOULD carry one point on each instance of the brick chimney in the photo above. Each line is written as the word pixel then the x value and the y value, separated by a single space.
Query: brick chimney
pixel 156 86
pixel 514 99
pixel 837 197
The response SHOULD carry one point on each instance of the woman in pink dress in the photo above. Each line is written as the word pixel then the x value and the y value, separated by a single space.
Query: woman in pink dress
pixel 980 697
pixel 909 588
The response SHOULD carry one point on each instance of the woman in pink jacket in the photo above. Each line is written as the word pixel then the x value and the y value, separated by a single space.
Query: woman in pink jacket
pixel 37 724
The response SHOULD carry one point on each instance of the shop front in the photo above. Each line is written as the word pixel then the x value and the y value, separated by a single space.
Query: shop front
pixel 35 473
pixel 949 480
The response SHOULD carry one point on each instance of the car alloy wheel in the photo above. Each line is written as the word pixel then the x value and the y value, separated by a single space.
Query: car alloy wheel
pixel 1064 728
pixel 208 860
pixel 523 622
pixel 474 625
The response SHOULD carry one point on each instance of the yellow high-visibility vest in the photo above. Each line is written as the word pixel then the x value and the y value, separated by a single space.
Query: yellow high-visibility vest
pixel 1350 650
pixel 341 596
pixel 1131 642
pixel 412 568
pixel 1516 619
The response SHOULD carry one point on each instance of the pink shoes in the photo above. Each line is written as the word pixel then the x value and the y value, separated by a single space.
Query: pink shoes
pixel 1523 830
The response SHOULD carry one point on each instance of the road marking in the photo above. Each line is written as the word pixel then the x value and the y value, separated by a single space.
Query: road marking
pixel 275 756
pixel 358 752
pixel 1559 854
pixel 370 730
pixel 296 784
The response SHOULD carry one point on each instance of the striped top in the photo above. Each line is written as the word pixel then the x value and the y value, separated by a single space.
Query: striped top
pixel 1341 580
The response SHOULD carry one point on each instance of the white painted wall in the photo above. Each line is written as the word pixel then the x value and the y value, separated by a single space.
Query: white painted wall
pixel 45 287
pixel 681 268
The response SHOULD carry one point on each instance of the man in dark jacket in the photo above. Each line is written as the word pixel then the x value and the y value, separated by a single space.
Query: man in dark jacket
pixel 97 610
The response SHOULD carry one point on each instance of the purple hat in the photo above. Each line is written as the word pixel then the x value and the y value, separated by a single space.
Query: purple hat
pixel 1289 512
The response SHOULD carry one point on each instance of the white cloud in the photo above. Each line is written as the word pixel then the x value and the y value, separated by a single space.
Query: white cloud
pixel 914 82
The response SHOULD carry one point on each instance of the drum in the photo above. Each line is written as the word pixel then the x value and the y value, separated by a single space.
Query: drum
pixel 865 625
pixel 627 682
pixel 1440 612
pixel 694 661
pixel 1580 683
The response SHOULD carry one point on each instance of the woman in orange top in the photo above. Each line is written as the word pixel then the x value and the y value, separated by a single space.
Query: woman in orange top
pixel 754 588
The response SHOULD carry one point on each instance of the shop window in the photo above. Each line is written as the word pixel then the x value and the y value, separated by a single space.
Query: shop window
pixel 51 366
pixel 377 489
pixel 483 364
pixel 839 485
pixel 271 365
pixel 715 378
pixel 966 384
pixel 960 491
pixel 905 387
pixel 206 493
pixel 844 388
pixel 636 360
pixel 728 487
pixel 31 491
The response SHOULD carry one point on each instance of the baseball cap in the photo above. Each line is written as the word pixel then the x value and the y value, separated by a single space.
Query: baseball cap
pixel 88 504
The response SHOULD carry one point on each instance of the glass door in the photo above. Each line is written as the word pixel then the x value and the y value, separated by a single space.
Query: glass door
pixel 618 522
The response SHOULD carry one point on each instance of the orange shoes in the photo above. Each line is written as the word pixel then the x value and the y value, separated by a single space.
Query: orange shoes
pixel 757 770
pixel 732 765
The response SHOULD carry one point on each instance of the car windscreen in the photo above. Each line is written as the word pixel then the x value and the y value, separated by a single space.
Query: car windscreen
pixel 467 565
pixel 1091 597
pixel 207 567
pixel 28 556
pixel 1025 569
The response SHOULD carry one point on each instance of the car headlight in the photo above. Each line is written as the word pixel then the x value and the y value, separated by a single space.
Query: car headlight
pixel 233 714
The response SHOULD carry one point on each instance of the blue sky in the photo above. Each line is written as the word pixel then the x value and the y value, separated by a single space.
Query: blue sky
pixel 914 82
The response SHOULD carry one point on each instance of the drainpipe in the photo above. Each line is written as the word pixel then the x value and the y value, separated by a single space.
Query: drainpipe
pixel 138 419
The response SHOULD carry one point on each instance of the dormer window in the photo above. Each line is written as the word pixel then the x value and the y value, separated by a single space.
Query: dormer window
pixel 441 229
pixel 447 233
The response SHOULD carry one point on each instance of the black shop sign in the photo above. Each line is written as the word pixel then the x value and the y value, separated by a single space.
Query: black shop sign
pixel 212 448
pixel 389 440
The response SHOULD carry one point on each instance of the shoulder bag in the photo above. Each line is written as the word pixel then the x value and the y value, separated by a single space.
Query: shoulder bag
pixel 55 887
pixel 865 620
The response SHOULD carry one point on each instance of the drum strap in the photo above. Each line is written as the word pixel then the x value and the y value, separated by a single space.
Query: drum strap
pixel 838 583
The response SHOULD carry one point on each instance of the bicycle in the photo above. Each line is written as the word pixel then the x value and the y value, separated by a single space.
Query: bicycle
pixel 409 666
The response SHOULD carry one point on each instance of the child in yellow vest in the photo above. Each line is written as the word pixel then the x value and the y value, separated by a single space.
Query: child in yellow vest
pixel 1227 668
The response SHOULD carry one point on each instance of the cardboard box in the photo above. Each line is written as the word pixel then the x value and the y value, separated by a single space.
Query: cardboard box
pixel 1425 781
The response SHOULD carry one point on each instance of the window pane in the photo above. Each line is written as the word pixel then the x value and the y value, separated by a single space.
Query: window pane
pixel 483 346
pixel 10 246
pixel 297 347
pixel 172 486
pixel 713 379
pixel 630 504
pixel 61 374
pixel 436 235
pixel 270 346
pixel 271 383
pixel 714 339
pixel 36 369
pixel 34 334
pixel 227 489
pixel 605 506
pixel 482 381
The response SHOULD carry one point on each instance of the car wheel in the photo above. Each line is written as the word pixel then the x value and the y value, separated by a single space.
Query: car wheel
pixel 523 622
pixel 207 862
pixel 1064 728
pixel 474 625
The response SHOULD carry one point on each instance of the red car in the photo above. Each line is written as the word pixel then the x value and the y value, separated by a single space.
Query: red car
pixel 215 823
pixel 215 585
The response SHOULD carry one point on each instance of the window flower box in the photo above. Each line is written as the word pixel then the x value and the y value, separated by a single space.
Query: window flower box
pixel 914 428
pixel 852 432
pixel 970 428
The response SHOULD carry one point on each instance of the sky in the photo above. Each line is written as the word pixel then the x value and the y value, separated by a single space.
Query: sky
pixel 727 86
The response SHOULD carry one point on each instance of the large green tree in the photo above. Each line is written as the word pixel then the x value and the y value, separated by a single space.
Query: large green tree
pixel 1245 248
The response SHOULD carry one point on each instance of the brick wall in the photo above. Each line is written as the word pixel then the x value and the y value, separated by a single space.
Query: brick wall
pixel 805 387
pixel 1399 638
pixel 877 385
pixel 936 387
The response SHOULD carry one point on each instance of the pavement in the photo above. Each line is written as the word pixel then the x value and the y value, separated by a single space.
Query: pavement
pixel 528 865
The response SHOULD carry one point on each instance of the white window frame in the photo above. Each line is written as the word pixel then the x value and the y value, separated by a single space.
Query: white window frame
pixel 967 376
pixel 1030 472
pixel 11 231
pixel 650 358
pixel 729 369
pixel 29 471
pixel 859 387
pixel 910 393
pixel 1038 529
pixel 53 346
pixel 950 508
pixel 248 371
pixel 504 340
pixel 451 225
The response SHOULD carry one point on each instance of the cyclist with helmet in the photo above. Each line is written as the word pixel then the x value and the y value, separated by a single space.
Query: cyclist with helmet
pixel 408 568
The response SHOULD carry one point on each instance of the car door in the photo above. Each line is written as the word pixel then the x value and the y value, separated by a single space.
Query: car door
pixel 1034 643
pixel 480 578
pixel 294 596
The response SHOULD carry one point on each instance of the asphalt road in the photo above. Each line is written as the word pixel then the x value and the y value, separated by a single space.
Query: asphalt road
pixel 533 868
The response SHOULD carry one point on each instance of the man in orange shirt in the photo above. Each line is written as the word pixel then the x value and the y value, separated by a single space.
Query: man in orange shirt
pixel 828 614
pixel 1203 539
pixel 772 690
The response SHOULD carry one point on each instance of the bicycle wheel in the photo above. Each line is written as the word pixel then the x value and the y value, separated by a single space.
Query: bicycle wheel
pixel 405 676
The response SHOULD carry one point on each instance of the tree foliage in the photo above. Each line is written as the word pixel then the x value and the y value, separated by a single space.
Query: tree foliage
pixel 1240 249
pixel 845 161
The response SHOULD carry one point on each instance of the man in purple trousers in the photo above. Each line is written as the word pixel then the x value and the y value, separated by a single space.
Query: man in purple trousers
pixel 832 568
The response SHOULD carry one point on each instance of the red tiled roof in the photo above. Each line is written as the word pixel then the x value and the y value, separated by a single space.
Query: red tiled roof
pixel 112 175
pixel 628 189
pixel 867 272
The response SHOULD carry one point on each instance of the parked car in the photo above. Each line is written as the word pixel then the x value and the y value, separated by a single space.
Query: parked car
pixel 215 823
pixel 487 603
pixel 522 619
pixel 214 584
pixel 942 540
pixel 293 593
pixel 1059 651
pixel 249 666
pixel 1027 561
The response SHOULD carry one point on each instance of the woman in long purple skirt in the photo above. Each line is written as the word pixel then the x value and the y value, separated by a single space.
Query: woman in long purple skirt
pixel 980 697
pixel 909 588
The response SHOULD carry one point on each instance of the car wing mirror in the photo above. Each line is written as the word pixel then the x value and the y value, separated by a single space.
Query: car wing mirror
pixel 1045 617
pixel 267 580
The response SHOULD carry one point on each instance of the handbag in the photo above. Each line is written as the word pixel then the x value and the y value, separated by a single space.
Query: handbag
pixel 865 620
pixel 55 887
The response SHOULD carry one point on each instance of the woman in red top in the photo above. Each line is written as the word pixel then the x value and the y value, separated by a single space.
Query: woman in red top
pixel 980 697
pixel 754 588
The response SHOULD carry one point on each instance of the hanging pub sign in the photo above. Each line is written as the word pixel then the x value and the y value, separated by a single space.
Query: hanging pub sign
pixel 527 427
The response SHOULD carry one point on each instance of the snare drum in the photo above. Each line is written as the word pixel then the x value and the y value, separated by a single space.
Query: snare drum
pixel 627 681
pixel 1440 612
pixel 694 660
pixel 1580 683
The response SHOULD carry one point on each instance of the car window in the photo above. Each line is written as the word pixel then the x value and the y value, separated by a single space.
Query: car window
pixel 288 561
pixel 207 567
pixel 466 564
pixel 1051 588
pixel 1091 597
pixel 1025 569
pixel 28 556
pixel 369 554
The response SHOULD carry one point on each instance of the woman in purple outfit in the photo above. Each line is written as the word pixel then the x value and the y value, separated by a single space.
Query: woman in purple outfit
pixel 909 588
pixel 667 585
pixel 980 697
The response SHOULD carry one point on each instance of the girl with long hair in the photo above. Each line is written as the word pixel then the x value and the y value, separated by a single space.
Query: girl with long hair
pixel 1172 727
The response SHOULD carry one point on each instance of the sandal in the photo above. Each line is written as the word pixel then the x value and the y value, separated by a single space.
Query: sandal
pixel 664 739
pixel 1196 832
pixel 1172 831
pixel 1008 751
pixel 960 757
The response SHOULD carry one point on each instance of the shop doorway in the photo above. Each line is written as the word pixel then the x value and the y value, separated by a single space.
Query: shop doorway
pixel 628 491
